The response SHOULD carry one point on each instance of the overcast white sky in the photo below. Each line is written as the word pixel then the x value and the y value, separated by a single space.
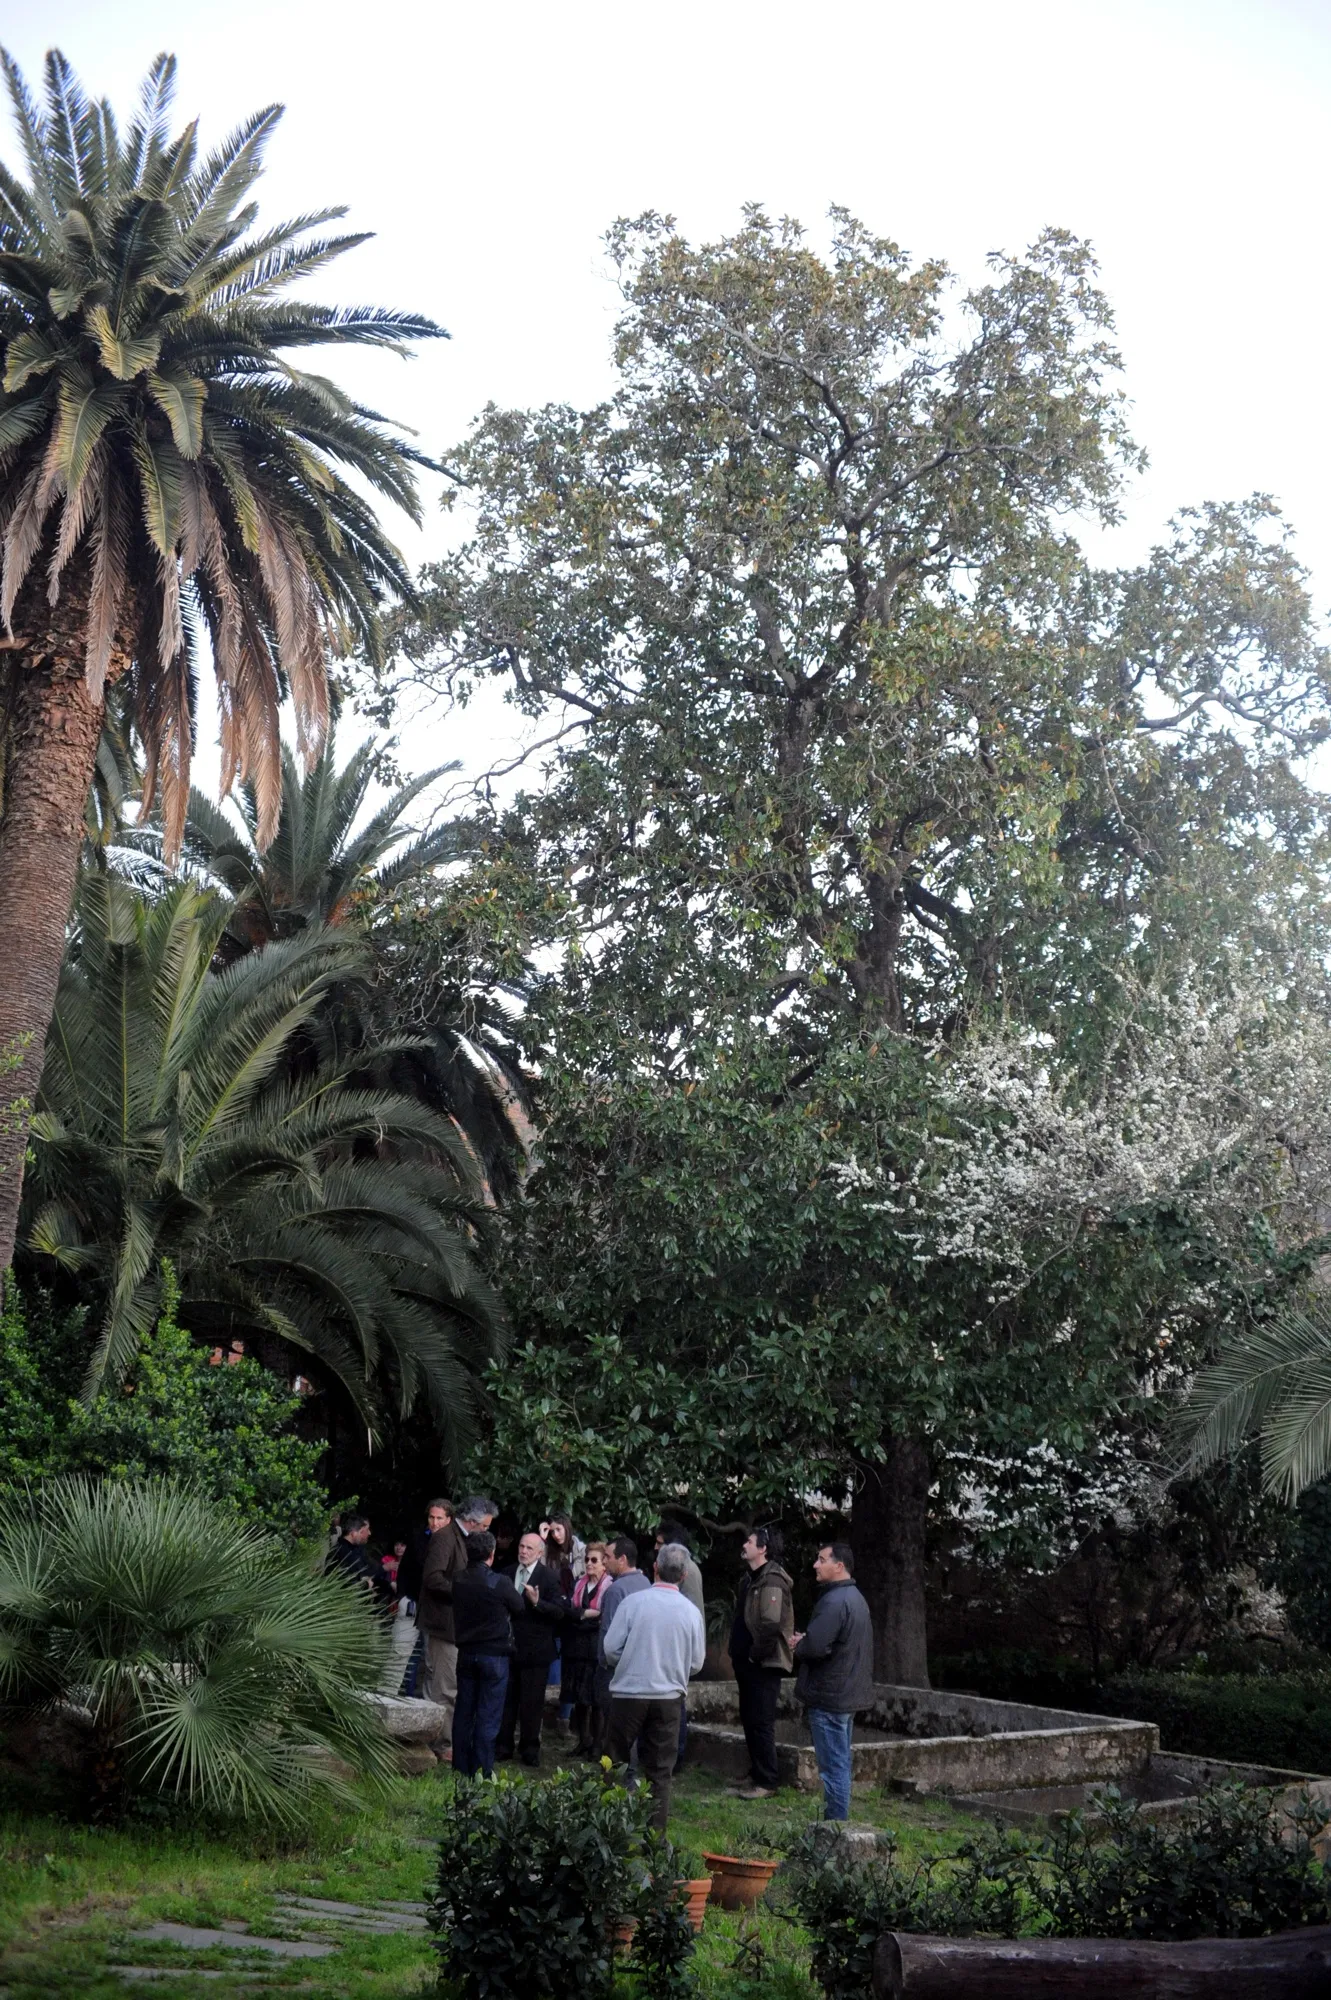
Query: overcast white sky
pixel 489 147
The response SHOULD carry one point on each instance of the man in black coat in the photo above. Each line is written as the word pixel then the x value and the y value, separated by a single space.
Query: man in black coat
pixel 351 1558
pixel 534 1636
pixel 485 1609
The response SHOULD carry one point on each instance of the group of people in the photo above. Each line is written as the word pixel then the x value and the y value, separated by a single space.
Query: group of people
pixel 628 1643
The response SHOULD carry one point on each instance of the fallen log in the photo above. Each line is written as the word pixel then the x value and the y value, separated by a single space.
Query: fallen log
pixel 1295 1965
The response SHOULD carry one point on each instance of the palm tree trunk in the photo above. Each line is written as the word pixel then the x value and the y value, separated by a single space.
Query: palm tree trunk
pixel 51 727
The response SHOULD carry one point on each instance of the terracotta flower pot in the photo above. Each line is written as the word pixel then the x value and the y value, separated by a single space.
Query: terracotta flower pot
pixel 738 1881
pixel 622 1935
pixel 695 1898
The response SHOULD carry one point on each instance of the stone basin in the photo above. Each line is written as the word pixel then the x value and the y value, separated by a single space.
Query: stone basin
pixel 1012 1761
pixel 918 1740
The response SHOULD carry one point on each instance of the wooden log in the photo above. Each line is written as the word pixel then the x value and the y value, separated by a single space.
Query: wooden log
pixel 1295 1965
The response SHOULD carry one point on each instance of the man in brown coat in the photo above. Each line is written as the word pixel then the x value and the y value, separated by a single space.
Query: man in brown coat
pixel 445 1559
pixel 761 1641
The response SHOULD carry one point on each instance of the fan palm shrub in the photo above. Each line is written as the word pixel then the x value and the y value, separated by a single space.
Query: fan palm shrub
pixel 215 1667
pixel 1271 1386
pixel 206 1116
pixel 166 475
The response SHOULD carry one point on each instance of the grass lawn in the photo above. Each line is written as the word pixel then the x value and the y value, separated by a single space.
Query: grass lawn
pixel 71 1897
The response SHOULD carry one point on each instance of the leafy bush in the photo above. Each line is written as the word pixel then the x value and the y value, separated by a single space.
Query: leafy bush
pixel 533 1879
pixel 1007 1673
pixel 846 1905
pixel 1227 1867
pixel 211 1665
pixel 1231 1869
pixel 1276 1719
pixel 664 1940
pixel 1303 1571
pixel 225 1430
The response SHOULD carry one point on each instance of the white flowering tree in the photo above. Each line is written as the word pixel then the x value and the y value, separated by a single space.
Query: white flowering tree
pixel 735 1294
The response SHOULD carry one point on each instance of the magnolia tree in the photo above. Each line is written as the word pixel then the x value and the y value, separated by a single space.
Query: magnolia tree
pixel 849 757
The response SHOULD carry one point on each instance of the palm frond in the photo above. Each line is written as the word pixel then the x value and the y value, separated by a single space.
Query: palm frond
pixel 1272 1384
pixel 173 1122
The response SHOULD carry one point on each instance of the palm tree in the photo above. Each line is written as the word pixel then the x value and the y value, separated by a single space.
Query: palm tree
pixel 166 473
pixel 1272 1385
pixel 319 862
pixel 211 1664
pixel 201 1116
pixel 320 867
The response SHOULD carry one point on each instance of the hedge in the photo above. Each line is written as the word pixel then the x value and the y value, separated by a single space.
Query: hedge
pixel 1278 1719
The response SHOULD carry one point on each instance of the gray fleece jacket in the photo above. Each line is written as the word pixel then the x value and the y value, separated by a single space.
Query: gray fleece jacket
pixel 655 1642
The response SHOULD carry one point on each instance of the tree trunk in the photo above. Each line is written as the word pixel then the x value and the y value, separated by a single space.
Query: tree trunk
pixel 1294 1965
pixel 889 1515
pixel 51 730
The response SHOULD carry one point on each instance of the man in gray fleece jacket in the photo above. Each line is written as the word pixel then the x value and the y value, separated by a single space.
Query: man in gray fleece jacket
pixel 655 1641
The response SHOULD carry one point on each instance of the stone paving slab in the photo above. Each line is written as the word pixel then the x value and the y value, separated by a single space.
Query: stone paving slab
pixel 408 1917
pixel 168 1972
pixel 194 1937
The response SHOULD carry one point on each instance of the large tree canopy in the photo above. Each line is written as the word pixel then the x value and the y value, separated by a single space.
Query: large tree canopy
pixel 851 754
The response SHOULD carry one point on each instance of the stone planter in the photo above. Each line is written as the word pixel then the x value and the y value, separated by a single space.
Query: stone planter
pixel 738 1881
pixel 696 1894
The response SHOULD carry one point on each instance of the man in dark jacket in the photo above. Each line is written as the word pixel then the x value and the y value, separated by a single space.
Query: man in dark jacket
pixel 534 1636
pixel 834 1671
pixel 761 1641
pixel 351 1557
pixel 484 1609
pixel 445 1561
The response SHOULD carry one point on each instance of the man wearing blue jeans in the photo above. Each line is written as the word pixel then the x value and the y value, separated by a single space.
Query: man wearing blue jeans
pixel 834 1671
pixel 484 1608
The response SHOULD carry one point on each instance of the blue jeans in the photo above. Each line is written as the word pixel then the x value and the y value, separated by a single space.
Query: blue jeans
pixel 482 1685
pixel 831 1735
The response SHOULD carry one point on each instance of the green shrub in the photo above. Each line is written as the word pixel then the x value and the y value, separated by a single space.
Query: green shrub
pixel 1226 1867
pixel 213 1666
pixel 663 1941
pixel 1007 1673
pixel 1302 1572
pixel 533 1879
pixel 1275 1719
pixel 847 1905
pixel 1282 1720
pixel 226 1431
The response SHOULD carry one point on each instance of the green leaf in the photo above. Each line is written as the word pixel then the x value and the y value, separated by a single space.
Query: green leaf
pixel 120 357
pixel 180 398
pixel 27 354
pixel 83 415
pixel 25 419
pixel 159 482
